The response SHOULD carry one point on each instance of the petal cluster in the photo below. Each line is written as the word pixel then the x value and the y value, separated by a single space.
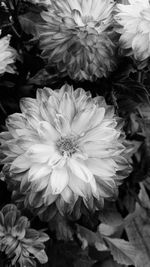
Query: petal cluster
pixel 7 56
pixel 20 243
pixel 134 19
pixel 64 146
pixel 77 37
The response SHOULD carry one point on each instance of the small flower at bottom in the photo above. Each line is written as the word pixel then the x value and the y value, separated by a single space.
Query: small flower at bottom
pixel 64 147
pixel 20 243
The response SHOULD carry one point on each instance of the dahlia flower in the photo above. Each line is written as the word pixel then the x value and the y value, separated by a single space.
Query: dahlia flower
pixel 20 243
pixel 77 37
pixel 134 19
pixel 7 56
pixel 63 146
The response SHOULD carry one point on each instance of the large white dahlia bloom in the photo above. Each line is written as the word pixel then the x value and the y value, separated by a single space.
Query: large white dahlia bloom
pixel 134 19
pixel 7 55
pixel 65 145
pixel 77 37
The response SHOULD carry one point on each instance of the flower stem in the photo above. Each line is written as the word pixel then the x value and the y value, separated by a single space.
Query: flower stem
pixel 140 76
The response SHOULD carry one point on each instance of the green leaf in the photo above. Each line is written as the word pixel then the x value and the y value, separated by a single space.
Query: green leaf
pixel 91 238
pixel 122 251
pixel 143 196
pixel 109 230
pixel 44 77
pixel 110 263
pixel 137 226
pixel 129 94
pixel 144 122
pixel 112 221
pixel 110 215
pixel 28 22
pixel 61 226
pixel 84 260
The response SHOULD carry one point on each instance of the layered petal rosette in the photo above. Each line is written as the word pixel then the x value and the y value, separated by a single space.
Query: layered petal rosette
pixel 64 146
pixel 20 243
pixel 7 56
pixel 77 36
pixel 134 21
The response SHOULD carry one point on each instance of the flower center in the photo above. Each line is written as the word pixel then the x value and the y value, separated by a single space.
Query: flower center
pixel 66 146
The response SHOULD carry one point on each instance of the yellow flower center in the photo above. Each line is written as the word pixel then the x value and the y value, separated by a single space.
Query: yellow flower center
pixel 66 146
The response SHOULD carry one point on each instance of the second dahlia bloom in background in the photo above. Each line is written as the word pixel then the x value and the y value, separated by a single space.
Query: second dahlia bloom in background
pixel 20 243
pixel 7 55
pixel 63 146
pixel 77 37
pixel 134 19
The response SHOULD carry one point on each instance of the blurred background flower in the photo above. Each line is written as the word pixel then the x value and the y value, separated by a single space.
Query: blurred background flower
pixel 134 21
pixel 63 146
pixel 78 38
pixel 7 55
pixel 42 2
pixel 20 243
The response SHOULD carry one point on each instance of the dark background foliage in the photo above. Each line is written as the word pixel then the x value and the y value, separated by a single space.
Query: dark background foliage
pixel 127 88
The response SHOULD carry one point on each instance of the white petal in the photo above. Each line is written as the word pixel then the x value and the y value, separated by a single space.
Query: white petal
pixel 16 120
pixel 40 184
pixel 29 103
pixel 140 45
pixel 48 190
pixel 40 153
pixel 33 119
pixel 98 117
pixel 59 180
pixel 80 170
pixel 99 134
pixel 82 120
pixel 102 150
pixel 74 4
pixel 25 142
pixel 79 187
pixel 102 167
pixel 106 187
pixel 42 95
pixel 47 131
pixel 67 194
pixel 62 124
pixel 38 171
pixel 67 106
pixel 54 159
pixel 77 18
pixel 49 198
pixel 53 102
pixel 83 172
pixel 21 162
pixel 86 6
